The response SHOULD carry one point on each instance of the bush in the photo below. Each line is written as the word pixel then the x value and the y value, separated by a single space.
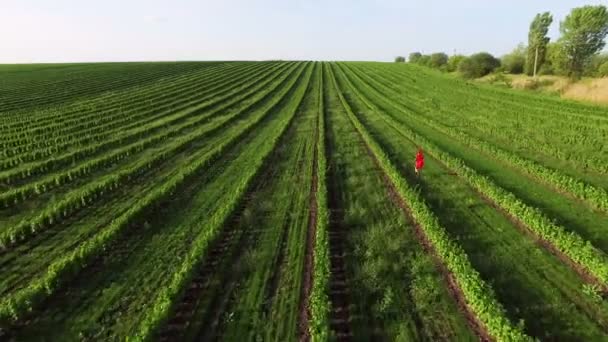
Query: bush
pixel 546 69
pixel 603 70
pixel 399 59
pixel 453 62
pixel 414 57
pixel 478 65
pixel 438 60
pixel 514 62
pixel 425 60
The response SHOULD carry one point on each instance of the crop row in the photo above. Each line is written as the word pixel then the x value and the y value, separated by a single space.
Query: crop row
pixel 29 170
pixel 110 101
pixel 65 117
pixel 319 305
pixel 165 300
pixel 16 305
pixel 479 296
pixel 562 140
pixel 94 82
pixel 167 116
pixel 84 196
pixel 568 243
pixel 594 196
pixel 102 114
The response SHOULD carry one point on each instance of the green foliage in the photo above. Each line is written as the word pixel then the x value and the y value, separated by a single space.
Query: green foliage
pixel 603 70
pixel 583 32
pixel 537 41
pixel 438 60
pixel 592 69
pixel 414 57
pixel 556 60
pixel 514 62
pixel 478 65
pixel 454 61
pixel 399 59
pixel 424 60
pixel 319 304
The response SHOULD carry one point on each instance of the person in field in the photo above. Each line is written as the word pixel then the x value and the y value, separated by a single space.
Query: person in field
pixel 419 161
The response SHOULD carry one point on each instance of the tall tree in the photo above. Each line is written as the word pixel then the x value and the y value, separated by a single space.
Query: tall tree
pixel 583 32
pixel 537 41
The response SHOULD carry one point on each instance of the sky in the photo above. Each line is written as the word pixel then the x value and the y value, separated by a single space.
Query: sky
pixel 34 31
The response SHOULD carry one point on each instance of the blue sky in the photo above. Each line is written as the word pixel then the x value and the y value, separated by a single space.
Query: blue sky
pixel 128 30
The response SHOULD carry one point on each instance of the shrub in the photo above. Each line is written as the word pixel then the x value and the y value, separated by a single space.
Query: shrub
pixel 438 60
pixel 453 62
pixel 603 70
pixel 478 65
pixel 399 59
pixel 514 62
pixel 414 57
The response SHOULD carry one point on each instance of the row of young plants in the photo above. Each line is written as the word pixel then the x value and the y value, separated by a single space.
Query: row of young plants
pixel 479 296
pixel 542 106
pixel 221 102
pixel 517 117
pixel 28 80
pixel 593 196
pixel 101 120
pixel 63 121
pixel 78 136
pixel 495 121
pixel 271 289
pixel 318 302
pixel 15 306
pixel 113 107
pixel 93 81
pixel 83 197
pixel 570 244
pixel 165 301
pixel 130 133
pixel 108 102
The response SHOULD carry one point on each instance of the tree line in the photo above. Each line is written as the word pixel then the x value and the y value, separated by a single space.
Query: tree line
pixel 576 53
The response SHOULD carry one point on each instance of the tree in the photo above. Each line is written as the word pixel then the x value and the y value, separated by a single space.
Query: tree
pixel 414 57
pixel 583 32
pixel 454 61
pixel 537 41
pixel 514 62
pixel 478 65
pixel 438 60
pixel 555 63
pixel 399 59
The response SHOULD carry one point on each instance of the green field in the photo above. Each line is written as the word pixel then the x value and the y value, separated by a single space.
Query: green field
pixel 277 201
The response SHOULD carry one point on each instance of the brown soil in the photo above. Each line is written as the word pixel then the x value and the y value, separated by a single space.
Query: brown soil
pixel 339 294
pixel 185 310
pixel 304 318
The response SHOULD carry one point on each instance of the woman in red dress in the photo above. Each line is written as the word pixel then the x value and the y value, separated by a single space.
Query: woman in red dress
pixel 419 161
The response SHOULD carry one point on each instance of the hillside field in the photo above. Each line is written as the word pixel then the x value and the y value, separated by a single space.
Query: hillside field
pixel 277 201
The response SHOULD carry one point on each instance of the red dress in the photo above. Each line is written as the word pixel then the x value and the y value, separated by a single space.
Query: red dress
pixel 419 160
